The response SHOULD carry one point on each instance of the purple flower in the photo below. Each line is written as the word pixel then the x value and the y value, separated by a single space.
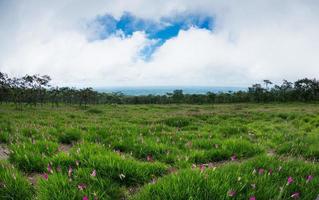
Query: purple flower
pixel 70 171
pixel 45 176
pixel 231 193
pixel 233 158
pixel 295 195
pixel 93 173
pixel 270 172
pixel 290 180
pixel 85 198
pixel 149 158
pixel 50 169
pixel 81 186
pixel 202 167
pixel 309 178
pixel 252 198
pixel 261 171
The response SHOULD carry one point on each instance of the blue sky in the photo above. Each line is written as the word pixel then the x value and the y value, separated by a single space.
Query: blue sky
pixel 158 30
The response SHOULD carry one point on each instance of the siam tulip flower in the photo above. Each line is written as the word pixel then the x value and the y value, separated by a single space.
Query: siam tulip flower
pixel 231 193
pixel 81 186
pixel 261 171
pixel 270 172
pixel 253 186
pixel 45 176
pixel 70 171
pixel 202 167
pixel 290 180
pixel 309 178
pixel 295 195
pixel 50 169
pixel 122 176
pixel 93 173
pixel 233 158
pixel 149 158
pixel 252 198
pixel 85 198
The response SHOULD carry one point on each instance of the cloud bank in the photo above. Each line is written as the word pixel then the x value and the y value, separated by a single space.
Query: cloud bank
pixel 240 42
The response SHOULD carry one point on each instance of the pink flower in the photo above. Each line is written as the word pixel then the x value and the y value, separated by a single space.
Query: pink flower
pixel 85 198
pixel 309 178
pixel 149 158
pixel 270 172
pixel 233 158
pixel 50 169
pixel 202 167
pixel 45 176
pixel 93 173
pixel 290 180
pixel 231 193
pixel 295 195
pixel 261 171
pixel 252 198
pixel 70 171
pixel 81 186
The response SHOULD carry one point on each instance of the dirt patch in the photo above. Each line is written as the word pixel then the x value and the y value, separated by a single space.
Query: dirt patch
pixel 4 152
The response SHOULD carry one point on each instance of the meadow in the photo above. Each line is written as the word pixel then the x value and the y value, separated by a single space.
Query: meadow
pixel 176 152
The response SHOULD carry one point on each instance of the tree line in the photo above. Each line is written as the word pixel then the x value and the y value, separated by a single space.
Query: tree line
pixel 33 90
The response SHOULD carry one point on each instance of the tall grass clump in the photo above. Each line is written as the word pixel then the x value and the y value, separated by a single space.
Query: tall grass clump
pixel 13 186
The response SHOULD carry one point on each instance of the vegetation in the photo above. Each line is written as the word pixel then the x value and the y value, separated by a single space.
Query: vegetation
pixel 33 90
pixel 177 151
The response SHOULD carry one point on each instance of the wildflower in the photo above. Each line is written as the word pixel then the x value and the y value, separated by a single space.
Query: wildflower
pixel 81 186
pixel 149 158
pixel 290 180
pixel 70 171
pixel 261 171
pixel 233 158
pixel 45 176
pixel 252 198
pixel 85 198
pixel 279 168
pixel 231 193
pixel 122 176
pixel 93 173
pixel 253 186
pixel 50 169
pixel 295 195
pixel 270 172
pixel 309 178
pixel 202 167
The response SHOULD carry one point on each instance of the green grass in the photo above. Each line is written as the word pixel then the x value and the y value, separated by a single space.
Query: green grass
pixel 156 151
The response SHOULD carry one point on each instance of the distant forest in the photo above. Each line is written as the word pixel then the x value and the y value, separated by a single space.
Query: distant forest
pixel 33 90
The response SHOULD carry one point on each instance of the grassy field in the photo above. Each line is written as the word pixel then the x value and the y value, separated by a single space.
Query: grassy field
pixel 177 152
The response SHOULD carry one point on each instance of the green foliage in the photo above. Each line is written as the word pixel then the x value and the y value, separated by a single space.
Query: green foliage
pixel 13 185
pixel 69 136
pixel 261 177
pixel 32 157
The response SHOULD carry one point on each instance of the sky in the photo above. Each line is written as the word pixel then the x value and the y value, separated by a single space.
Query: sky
pixel 101 43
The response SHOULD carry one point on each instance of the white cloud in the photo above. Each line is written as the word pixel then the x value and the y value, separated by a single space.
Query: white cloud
pixel 252 40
